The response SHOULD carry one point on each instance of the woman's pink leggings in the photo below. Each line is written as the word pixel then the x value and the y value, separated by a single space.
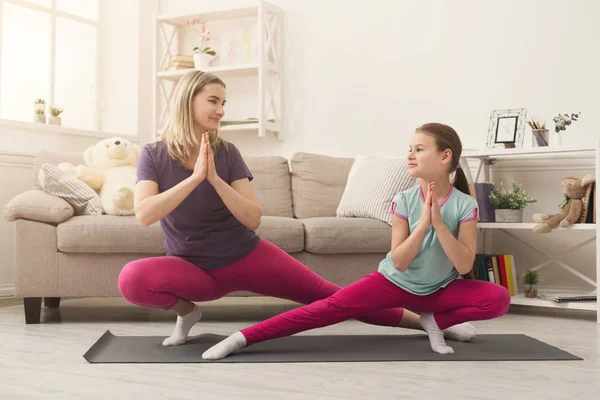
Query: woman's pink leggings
pixel 462 300
pixel 158 282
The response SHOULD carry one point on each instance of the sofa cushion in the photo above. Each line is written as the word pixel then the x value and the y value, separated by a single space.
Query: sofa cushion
pixel 119 234
pixel 59 183
pixel 37 205
pixel 331 235
pixel 109 234
pixel 272 185
pixel 286 233
pixel 318 183
pixel 53 158
pixel 372 184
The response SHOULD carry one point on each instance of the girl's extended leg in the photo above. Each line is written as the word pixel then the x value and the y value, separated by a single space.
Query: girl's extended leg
pixel 460 301
pixel 371 293
pixel 170 283
pixel 270 271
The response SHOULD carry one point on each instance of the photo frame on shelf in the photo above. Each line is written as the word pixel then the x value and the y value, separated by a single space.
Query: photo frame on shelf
pixel 506 128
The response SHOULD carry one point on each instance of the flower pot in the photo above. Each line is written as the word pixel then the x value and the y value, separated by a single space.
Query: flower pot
pixel 40 118
pixel 531 292
pixel 515 216
pixel 202 60
pixel 52 120
pixel 555 139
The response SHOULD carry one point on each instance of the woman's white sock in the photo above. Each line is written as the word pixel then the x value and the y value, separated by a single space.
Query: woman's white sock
pixel 182 327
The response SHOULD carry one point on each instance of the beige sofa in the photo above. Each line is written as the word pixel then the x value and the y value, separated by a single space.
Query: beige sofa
pixel 61 255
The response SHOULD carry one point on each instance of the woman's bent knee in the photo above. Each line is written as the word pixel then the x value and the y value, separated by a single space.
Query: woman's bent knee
pixel 131 281
pixel 500 300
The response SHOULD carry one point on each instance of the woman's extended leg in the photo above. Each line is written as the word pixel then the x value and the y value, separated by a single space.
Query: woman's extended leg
pixel 270 271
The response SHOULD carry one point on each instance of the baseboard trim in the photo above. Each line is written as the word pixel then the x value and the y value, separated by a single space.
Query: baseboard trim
pixel 7 290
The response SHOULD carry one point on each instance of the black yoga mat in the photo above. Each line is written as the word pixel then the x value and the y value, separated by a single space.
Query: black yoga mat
pixel 331 348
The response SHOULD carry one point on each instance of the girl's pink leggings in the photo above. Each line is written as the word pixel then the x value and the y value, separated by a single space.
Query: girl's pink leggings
pixel 462 300
pixel 158 282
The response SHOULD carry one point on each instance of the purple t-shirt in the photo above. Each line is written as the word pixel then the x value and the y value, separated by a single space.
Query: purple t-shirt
pixel 201 229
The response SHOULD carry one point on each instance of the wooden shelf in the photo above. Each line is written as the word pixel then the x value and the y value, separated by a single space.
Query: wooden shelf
pixel 507 153
pixel 520 299
pixel 253 126
pixel 221 72
pixel 180 19
pixel 531 225
pixel 257 87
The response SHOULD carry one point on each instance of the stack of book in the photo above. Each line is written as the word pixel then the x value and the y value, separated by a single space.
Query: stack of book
pixel 499 269
pixel 588 212
pixel 180 61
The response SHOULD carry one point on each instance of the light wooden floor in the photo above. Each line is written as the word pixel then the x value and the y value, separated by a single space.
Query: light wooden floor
pixel 45 361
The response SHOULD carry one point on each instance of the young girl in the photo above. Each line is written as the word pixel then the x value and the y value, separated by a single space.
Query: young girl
pixel 198 186
pixel 433 243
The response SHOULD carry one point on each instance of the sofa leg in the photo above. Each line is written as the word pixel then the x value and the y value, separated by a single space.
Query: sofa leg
pixel 51 302
pixel 33 308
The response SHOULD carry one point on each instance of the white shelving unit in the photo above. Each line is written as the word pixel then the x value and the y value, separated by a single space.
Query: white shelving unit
pixel 486 159
pixel 254 89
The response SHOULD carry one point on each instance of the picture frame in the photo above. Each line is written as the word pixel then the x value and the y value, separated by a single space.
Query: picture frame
pixel 506 128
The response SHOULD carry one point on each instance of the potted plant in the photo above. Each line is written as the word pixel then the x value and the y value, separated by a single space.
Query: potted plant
pixel 54 118
pixel 509 204
pixel 39 116
pixel 203 55
pixel 531 278
pixel 39 108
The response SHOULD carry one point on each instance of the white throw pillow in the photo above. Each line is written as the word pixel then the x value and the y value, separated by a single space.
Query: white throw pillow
pixel 83 198
pixel 372 184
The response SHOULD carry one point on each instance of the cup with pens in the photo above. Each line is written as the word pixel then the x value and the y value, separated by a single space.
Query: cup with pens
pixel 540 135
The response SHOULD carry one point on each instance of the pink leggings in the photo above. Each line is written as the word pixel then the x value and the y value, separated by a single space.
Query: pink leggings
pixel 159 282
pixel 462 300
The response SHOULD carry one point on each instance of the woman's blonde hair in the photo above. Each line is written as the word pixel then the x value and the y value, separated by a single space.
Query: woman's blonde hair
pixel 179 133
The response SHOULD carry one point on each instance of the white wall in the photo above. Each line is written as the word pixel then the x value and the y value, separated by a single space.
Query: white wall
pixel 361 75
pixel 120 56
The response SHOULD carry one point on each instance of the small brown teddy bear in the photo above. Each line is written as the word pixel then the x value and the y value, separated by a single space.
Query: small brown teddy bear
pixel 574 189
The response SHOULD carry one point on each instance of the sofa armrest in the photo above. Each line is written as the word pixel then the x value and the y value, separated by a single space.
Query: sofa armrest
pixel 37 205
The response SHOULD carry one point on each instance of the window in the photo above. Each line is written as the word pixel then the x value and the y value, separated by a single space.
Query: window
pixel 49 50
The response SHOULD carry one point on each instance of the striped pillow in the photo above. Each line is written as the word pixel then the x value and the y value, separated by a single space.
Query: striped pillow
pixel 83 198
pixel 372 184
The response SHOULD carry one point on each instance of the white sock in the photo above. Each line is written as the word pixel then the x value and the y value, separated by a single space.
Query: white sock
pixel 182 327
pixel 436 335
pixel 225 347
pixel 464 332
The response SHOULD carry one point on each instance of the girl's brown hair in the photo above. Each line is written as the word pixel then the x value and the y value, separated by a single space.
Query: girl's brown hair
pixel 447 138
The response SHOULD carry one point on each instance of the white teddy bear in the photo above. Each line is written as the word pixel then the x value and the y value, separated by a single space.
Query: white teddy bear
pixel 110 170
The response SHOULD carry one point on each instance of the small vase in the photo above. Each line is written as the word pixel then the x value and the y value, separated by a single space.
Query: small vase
pixel 52 120
pixel 531 292
pixel 555 139
pixel 38 106
pixel 202 61
pixel 515 216
pixel 39 118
